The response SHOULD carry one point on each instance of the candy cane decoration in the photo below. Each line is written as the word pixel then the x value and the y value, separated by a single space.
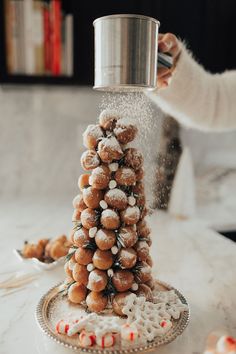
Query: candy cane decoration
pixel 87 339
pixel 129 332
pixel 62 327
pixel 106 341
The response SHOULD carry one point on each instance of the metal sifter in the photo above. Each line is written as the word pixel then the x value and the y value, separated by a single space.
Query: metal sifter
pixel 126 53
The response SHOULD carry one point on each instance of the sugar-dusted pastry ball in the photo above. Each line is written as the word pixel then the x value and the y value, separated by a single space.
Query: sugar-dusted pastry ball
pixel 143 229
pixel 144 273
pixel 96 302
pixel 123 280
pixel 142 250
pixel 133 158
pixel 100 177
pixel 149 261
pixel 125 176
pixel 119 302
pixel 80 274
pixel 83 181
pixel 105 239
pixel 109 149
pixel 102 259
pixel 150 284
pixel 144 290
pixel 84 256
pixel 58 250
pixel 78 203
pixel 76 215
pixel 97 280
pixel 125 130
pixel 92 197
pixel 130 215
pixel 110 219
pixel 139 174
pixel 92 135
pixel 127 258
pixel 77 293
pixel 127 236
pixel 108 118
pixel 81 237
pixel 90 160
pixel 116 199
pixel 89 218
pixel 67 269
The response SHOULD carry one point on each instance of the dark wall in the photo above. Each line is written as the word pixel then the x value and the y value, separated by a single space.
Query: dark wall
pixel 208 26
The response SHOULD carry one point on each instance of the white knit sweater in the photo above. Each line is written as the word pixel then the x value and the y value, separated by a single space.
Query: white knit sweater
pixel 198 99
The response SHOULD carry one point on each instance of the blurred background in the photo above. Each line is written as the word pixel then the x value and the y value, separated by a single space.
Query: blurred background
pixel 46 100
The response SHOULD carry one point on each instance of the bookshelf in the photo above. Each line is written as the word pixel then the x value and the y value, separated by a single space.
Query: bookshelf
pixel 83 14
pixel 60 66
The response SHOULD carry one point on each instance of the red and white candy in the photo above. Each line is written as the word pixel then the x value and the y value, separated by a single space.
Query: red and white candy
pixel 87 339
pixel 106 341
pixel 129 332
pixel 62 327
pixel 226 344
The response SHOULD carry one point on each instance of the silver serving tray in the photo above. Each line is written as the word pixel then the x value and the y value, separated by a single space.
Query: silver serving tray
pixel 44 317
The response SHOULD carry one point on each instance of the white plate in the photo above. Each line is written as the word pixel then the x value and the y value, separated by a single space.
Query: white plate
pixel 38 264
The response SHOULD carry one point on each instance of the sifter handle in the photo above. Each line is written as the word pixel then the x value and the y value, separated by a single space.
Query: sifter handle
pixel 165 60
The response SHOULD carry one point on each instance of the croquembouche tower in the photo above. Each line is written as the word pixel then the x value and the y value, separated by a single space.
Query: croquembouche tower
pixel 110 256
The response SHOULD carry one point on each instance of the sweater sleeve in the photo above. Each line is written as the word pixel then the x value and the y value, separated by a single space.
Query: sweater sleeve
pixel 198 99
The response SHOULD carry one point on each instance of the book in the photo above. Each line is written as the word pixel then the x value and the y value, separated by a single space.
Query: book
pixel 28 39
pixel 68 51
pixel 47 38
pixel 10 50
pixel 38 37
pixel 56 36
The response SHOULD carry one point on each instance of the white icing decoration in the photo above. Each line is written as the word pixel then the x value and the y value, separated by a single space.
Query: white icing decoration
pixel 103 204
pixel 147 315
pixel 113 166
pixel 110 272
pixel 131 201
pixel 134 287
pixel 114 250
pixel 90 267
pixel 92 232
pixel 112 184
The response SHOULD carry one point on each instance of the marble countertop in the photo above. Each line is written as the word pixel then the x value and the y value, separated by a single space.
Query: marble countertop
pixel 194 259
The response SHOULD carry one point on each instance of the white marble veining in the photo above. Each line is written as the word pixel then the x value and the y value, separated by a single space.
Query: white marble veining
pixel 194 259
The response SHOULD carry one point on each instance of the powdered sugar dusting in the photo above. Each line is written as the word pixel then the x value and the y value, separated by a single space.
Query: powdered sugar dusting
pixel 137 108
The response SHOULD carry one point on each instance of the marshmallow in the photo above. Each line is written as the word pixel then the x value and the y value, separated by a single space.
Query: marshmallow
pixel 114 250
pixel 112 184
pixel 90 267
pixel 103 204
pixel 113 166
pixel 110 272
pixel 134 287
pixel 131 200
pixel 92 232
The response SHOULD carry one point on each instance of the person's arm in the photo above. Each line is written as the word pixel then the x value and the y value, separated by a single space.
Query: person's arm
pixel 193 96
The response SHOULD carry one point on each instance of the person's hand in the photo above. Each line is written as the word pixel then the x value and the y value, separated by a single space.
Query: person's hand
pixel 167 43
